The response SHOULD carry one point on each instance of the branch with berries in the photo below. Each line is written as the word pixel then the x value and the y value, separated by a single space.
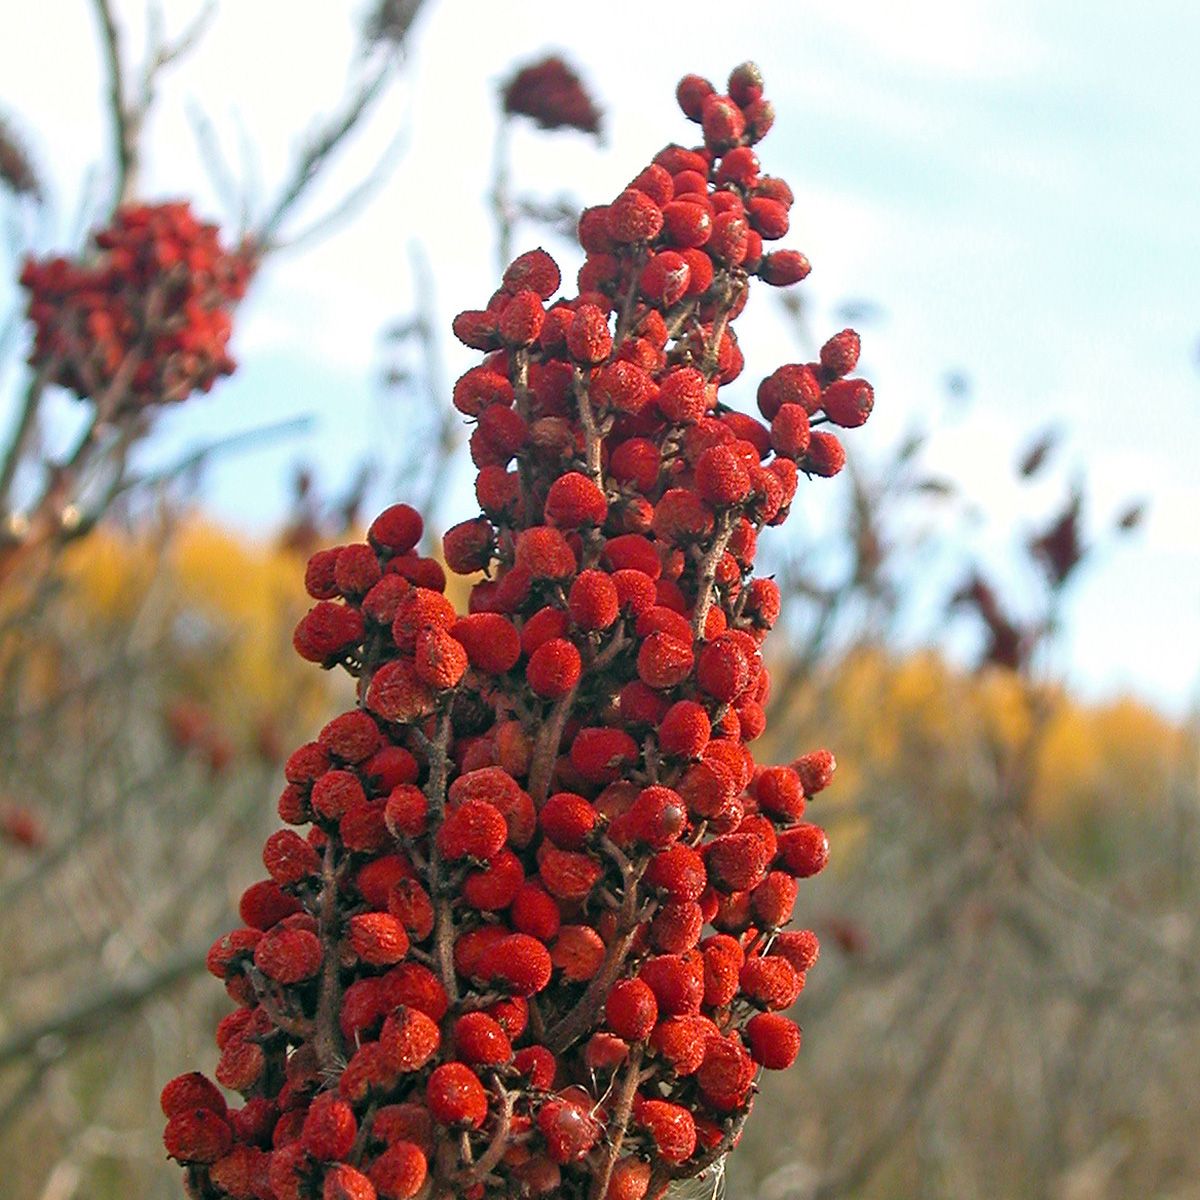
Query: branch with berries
pixel 533 937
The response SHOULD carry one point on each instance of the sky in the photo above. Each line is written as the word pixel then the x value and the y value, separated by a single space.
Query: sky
pixel 1012 185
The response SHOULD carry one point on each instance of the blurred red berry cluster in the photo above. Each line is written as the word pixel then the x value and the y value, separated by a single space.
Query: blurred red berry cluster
pixel 147 319
pixel 533 938
pixel 552 95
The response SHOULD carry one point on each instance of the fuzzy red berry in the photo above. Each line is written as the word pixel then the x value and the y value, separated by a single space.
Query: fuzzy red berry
pixel 815 770
pixel 790 434
pixel 569 1129
pixel 574 501
pixel 685 730
pixel 534 270
pixel 399 1172
pixel 677 984
pixel 803 850
pixel 545 553
pixel 588 338
pixel 631 1010
pixel 535 912
pixel 327 632
pixel 397 529
pixel 378 938
pixel 665 279
pixel 664 661
pixel 288 955
pixel 578 953
pixel 491 641
pixel 566 874
pixel 670 1126
pixel 409 1038
pixel 726 1073
pixel 480 1041
pixel 600 755
pixel 634 217
pixel 782 268
pixel 475 829
pixel 779 792
pixel 519 963
pixel 800 947
pixel 679 871
pixel 722 122
pixel 737 861
pixel 567 820
pixel 554 668
pixel 622 386
pixel 456 1097
pixel 770 982
pixel 774 1040
pixel 683 395
pixel 197 1135
pixel 329 1128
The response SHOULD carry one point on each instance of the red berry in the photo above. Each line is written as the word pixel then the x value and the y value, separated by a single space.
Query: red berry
pixel 774 1040
pixel 518 962
pixel 534 270
pixel 803 850
pixel 670 1126
pixel 848 402
pixel 574 501
pixel 634 217
pixel 456 1097
pixel 554 668
pixel 399 1172
pixel 480 1041
pixel 782 268
pixel 409 1038
pixel 631 1010
pixel 691 93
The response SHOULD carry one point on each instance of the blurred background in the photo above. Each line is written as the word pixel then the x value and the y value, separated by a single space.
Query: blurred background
pixel 991 616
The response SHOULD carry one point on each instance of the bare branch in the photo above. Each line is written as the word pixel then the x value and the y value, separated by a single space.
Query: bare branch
pixel 355 200
pixel 322 146
pixel 328 1038
pixel 490 1158
pixel 97 1010
pixel 125 131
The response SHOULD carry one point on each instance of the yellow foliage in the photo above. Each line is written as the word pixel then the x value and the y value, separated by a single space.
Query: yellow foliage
pixel 229 605
pixel 926 725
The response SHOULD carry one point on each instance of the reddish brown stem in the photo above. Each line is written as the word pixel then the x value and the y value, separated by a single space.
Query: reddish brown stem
pixel 708 572
pixel 582 1017
pixel 328 1037
pixel 490 1158
pixel 619 1123
pixel 435 791
pixel 591 435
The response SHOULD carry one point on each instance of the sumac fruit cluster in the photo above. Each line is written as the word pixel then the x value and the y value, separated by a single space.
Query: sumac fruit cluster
pixel 525 929
pixel 147 318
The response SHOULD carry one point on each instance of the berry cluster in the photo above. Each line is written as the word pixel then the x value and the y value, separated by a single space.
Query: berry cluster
pixel 533 939
pixel 551 95
pixel 148 319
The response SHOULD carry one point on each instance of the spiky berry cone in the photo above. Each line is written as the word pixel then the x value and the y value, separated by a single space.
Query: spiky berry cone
pixel 530 941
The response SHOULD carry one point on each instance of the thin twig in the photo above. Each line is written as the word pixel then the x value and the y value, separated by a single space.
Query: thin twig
pixel 97 1009
pixel 581 1018
pixel 125 140
pixel 327 1040
pixel 435 791
pixel 483 1166
pixel 708 571
pixel 618 1123
pixel 315 155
